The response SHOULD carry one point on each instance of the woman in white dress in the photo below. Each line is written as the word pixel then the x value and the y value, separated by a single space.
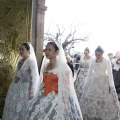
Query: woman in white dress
pixel 82 73
pixel 23 87
pixel 56 99
pixel 99 100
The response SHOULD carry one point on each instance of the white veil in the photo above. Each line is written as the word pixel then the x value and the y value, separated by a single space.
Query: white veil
pixel 35 73
pixel 34 69
pixel 109 70
pixel 66 92
pixel 32 53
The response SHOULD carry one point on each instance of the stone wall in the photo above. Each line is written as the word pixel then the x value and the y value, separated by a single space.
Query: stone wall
pixel 15 28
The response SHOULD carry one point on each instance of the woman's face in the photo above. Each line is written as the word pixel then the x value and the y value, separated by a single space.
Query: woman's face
pixel 86 53
pixel 98 55
pixel 23 51
pixel 50 51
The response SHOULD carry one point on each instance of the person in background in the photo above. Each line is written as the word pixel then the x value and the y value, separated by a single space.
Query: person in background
pixel 99 99
pixel 82 73
pixel 70 64
pixel 116 72
pixel 110 55
pixel 77 62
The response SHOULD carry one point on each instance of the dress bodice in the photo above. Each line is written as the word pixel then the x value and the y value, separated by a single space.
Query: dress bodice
pixel 23 74
pixel 27 72
pixel 100 68
pixel 50 80
pixel 20 63
pixel 84 63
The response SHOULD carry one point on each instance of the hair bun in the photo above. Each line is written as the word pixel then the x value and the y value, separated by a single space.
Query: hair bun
pixel 99 49
pixel 87 49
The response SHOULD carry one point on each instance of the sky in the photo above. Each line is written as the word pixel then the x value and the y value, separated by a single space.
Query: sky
pixel 97 19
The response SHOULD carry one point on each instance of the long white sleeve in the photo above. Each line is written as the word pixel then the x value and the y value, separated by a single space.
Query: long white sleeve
pixel 90 71
pixel 109 72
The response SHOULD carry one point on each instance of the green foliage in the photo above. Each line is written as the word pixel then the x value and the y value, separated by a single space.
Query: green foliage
pixel 15 27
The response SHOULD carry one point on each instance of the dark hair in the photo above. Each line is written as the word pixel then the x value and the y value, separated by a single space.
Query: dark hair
pixel 87 49
pixel 99 49
pixel 26 46
pixel 78 58
pixel 54 45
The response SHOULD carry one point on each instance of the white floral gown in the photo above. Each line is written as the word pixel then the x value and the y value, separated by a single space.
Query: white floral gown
pixel 98 101
pixel 17 99
pixel 46 107
pixel 80 80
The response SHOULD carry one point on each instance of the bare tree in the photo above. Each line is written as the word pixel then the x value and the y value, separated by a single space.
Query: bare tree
pixel 68 41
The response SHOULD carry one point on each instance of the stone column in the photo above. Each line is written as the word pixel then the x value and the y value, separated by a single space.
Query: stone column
pixel 39 9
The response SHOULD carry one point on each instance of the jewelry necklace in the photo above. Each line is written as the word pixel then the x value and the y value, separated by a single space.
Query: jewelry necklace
pixel 99 60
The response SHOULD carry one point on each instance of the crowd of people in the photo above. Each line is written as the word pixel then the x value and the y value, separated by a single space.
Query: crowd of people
pixel 52 94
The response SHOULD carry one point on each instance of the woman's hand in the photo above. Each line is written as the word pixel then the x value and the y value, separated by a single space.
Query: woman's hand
pixel 31 95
